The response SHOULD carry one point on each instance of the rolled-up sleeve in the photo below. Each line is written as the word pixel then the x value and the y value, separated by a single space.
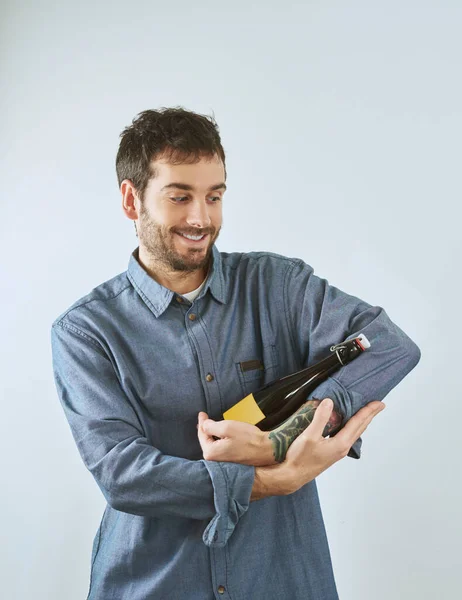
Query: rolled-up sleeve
pixel 232 485
pixel 134 476
pixel 320 315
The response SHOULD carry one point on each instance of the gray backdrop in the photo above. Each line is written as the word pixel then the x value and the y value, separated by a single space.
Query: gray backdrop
pixel 342 126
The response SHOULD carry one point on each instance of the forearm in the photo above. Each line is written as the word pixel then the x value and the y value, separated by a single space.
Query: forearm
pixel 283 436
pixel 137 478
pixel 279 479
pixel 270 481
pixel 310 455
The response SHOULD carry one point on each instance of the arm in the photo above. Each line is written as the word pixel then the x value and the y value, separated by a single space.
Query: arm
pixel 283 436
pixel 134 476
pixel 319 315
pixel 243 443
pixel 311 453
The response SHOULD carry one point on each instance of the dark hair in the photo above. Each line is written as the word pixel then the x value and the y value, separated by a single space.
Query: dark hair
pixel 176 134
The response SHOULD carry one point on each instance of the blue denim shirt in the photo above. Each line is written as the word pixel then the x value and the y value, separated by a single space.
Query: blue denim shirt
pixel 134 363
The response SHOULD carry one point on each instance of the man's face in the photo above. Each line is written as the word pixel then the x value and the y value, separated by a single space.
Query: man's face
pixel 182 200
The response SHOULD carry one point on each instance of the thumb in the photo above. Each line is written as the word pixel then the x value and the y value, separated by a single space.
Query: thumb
pixel 321 418
pixel 208 425
pixel 216 429
pixel 201 417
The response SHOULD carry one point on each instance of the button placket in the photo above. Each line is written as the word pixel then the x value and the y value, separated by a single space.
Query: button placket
pixel 196 326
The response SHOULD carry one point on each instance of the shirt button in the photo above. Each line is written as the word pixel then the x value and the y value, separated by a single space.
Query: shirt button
pixel 209 377
pixel 221 589
pixel 179 299
pixel 192 317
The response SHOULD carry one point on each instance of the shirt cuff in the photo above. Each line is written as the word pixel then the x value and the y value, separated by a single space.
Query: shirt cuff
pixel 232 487
pixel 346 403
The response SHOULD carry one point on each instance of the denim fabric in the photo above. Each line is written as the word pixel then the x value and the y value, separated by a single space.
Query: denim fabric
pixel 131 363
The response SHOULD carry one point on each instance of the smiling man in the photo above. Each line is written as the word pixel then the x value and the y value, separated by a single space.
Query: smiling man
pixel 147 363
pixel 178 221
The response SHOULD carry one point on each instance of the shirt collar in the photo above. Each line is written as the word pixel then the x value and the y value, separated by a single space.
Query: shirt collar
pixel 158 297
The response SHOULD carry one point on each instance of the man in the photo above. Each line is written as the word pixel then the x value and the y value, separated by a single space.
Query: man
pixel 148 362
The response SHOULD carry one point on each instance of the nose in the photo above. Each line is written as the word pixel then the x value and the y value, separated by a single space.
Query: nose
pixel 198 214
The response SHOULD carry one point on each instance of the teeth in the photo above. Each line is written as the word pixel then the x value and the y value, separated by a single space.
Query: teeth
pixel 193 237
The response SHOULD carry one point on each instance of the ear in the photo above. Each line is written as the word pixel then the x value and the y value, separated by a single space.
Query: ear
pixel 130 200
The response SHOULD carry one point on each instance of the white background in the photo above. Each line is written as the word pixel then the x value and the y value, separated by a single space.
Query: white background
pixel 342 124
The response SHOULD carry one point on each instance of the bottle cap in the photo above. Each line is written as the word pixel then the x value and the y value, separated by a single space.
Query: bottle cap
pixel 362 339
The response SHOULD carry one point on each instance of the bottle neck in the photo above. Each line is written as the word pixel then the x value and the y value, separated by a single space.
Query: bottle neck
pixel 328 364
pixel 338 358
pixel 318 372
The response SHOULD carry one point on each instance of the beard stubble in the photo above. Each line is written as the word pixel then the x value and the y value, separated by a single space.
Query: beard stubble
pixel 158 241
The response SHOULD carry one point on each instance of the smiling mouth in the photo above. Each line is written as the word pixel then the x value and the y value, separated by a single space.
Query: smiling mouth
pixel 194 239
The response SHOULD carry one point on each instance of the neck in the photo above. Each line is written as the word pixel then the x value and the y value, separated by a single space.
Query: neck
pixel 180 282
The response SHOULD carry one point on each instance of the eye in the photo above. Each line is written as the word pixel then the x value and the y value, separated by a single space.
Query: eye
pixel 179 199
pixel 215 199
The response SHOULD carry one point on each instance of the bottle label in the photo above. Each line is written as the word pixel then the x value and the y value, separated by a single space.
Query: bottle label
pixel 247 411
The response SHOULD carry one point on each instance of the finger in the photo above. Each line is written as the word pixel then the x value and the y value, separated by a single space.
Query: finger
pixel 358 423
pixel 321 418
pixel 219 429
pixel 201 417
pixel 204 438
pixel 364 417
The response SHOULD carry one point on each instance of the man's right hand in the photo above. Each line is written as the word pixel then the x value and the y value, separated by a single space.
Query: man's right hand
pixel 311 454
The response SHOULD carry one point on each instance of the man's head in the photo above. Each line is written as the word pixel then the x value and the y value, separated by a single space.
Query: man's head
pixel 171 172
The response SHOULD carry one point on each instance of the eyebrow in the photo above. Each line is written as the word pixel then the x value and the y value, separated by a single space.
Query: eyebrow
pixel 187 187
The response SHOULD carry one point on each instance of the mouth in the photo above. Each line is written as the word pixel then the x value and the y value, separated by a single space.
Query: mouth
pixel 193 240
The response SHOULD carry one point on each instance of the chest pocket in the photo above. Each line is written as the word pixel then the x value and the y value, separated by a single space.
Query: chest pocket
pixel 256 371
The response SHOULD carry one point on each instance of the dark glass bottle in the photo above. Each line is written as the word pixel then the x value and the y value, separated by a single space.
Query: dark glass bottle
pixel 272 404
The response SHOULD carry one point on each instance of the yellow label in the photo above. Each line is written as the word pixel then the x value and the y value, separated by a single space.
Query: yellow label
pixel 246 410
